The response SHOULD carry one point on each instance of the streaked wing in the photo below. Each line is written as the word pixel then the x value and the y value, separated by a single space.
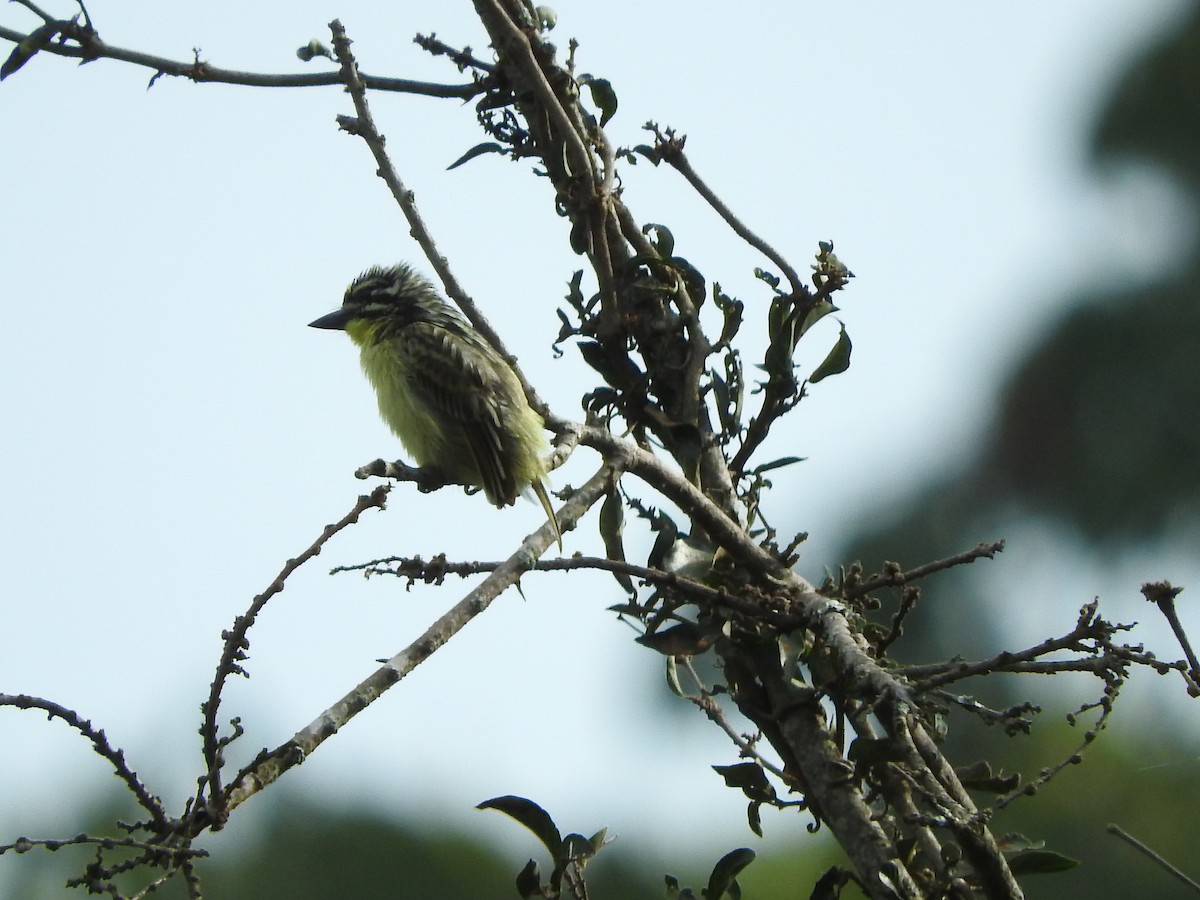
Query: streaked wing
pixel 454 376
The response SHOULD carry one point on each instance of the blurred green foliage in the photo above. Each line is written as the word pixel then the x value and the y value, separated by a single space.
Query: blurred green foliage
pixel 1098 426
pixel 303 850
pixel 1097 433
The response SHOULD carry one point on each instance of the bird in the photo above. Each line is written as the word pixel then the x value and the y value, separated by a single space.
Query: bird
pixel 454 402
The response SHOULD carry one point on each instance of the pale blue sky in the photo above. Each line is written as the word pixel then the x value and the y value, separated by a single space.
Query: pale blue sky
pixel 174 432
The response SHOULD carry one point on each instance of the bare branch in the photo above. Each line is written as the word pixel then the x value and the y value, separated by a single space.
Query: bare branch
pixel 461 58
pixel 236 644
pixel 893 577
pixel 100 744
pixel 670 148
pixel 88 46
pixel 1103 655
pixel 271 765
pixel 1162 594
pixel 1156 858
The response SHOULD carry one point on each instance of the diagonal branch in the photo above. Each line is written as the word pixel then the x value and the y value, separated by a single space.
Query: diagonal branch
pixel 273 764
pixel 670 149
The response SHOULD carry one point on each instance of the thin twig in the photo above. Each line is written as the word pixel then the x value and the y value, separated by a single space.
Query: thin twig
pixel 670 149
pixel 1089 627
pixel 23 844
pixel 99 740
pixel 1157 859
pixel 708 704
pixel 1112 687
pixel 236 643
pixel 1162 594
pixel 896 578
pixel 434 571
pixel 908 603
pixel 461 58
pixel 89 46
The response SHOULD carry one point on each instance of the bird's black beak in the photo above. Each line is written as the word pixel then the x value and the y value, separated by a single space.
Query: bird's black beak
pixel 334 320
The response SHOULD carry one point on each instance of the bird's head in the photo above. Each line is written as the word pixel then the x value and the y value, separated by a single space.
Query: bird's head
pixel 383 298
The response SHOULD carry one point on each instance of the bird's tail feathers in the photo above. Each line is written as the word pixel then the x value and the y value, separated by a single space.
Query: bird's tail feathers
pixel 539 488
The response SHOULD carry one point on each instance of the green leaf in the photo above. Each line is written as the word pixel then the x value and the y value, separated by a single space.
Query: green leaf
pixel 779 316
pixel 693 278
pixel 574 294
pixel 873 751
pixel 597 840
pixel 576 848
pixel 721 393
pixel 783 331
pixel 750 779
pixel 725 872
pixel 769 277
pixel 1014 841
pixel 663 240
pixel 980 776
pixel 731 309
pixel 690 557
pixel 829 886
pixel 37 39
pixel 816 314
pixel 754 817
pixel 837 361
pixel 647 151
pixel 684 639
pixel 531 816
pixel 603 96
pixel 668 533
pixel 613 365
pixel 477 150
pixel 612 526
pixel 673 683
pixel 529 880
pixel 1040 862
pixel 777 464
pixel 581 238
